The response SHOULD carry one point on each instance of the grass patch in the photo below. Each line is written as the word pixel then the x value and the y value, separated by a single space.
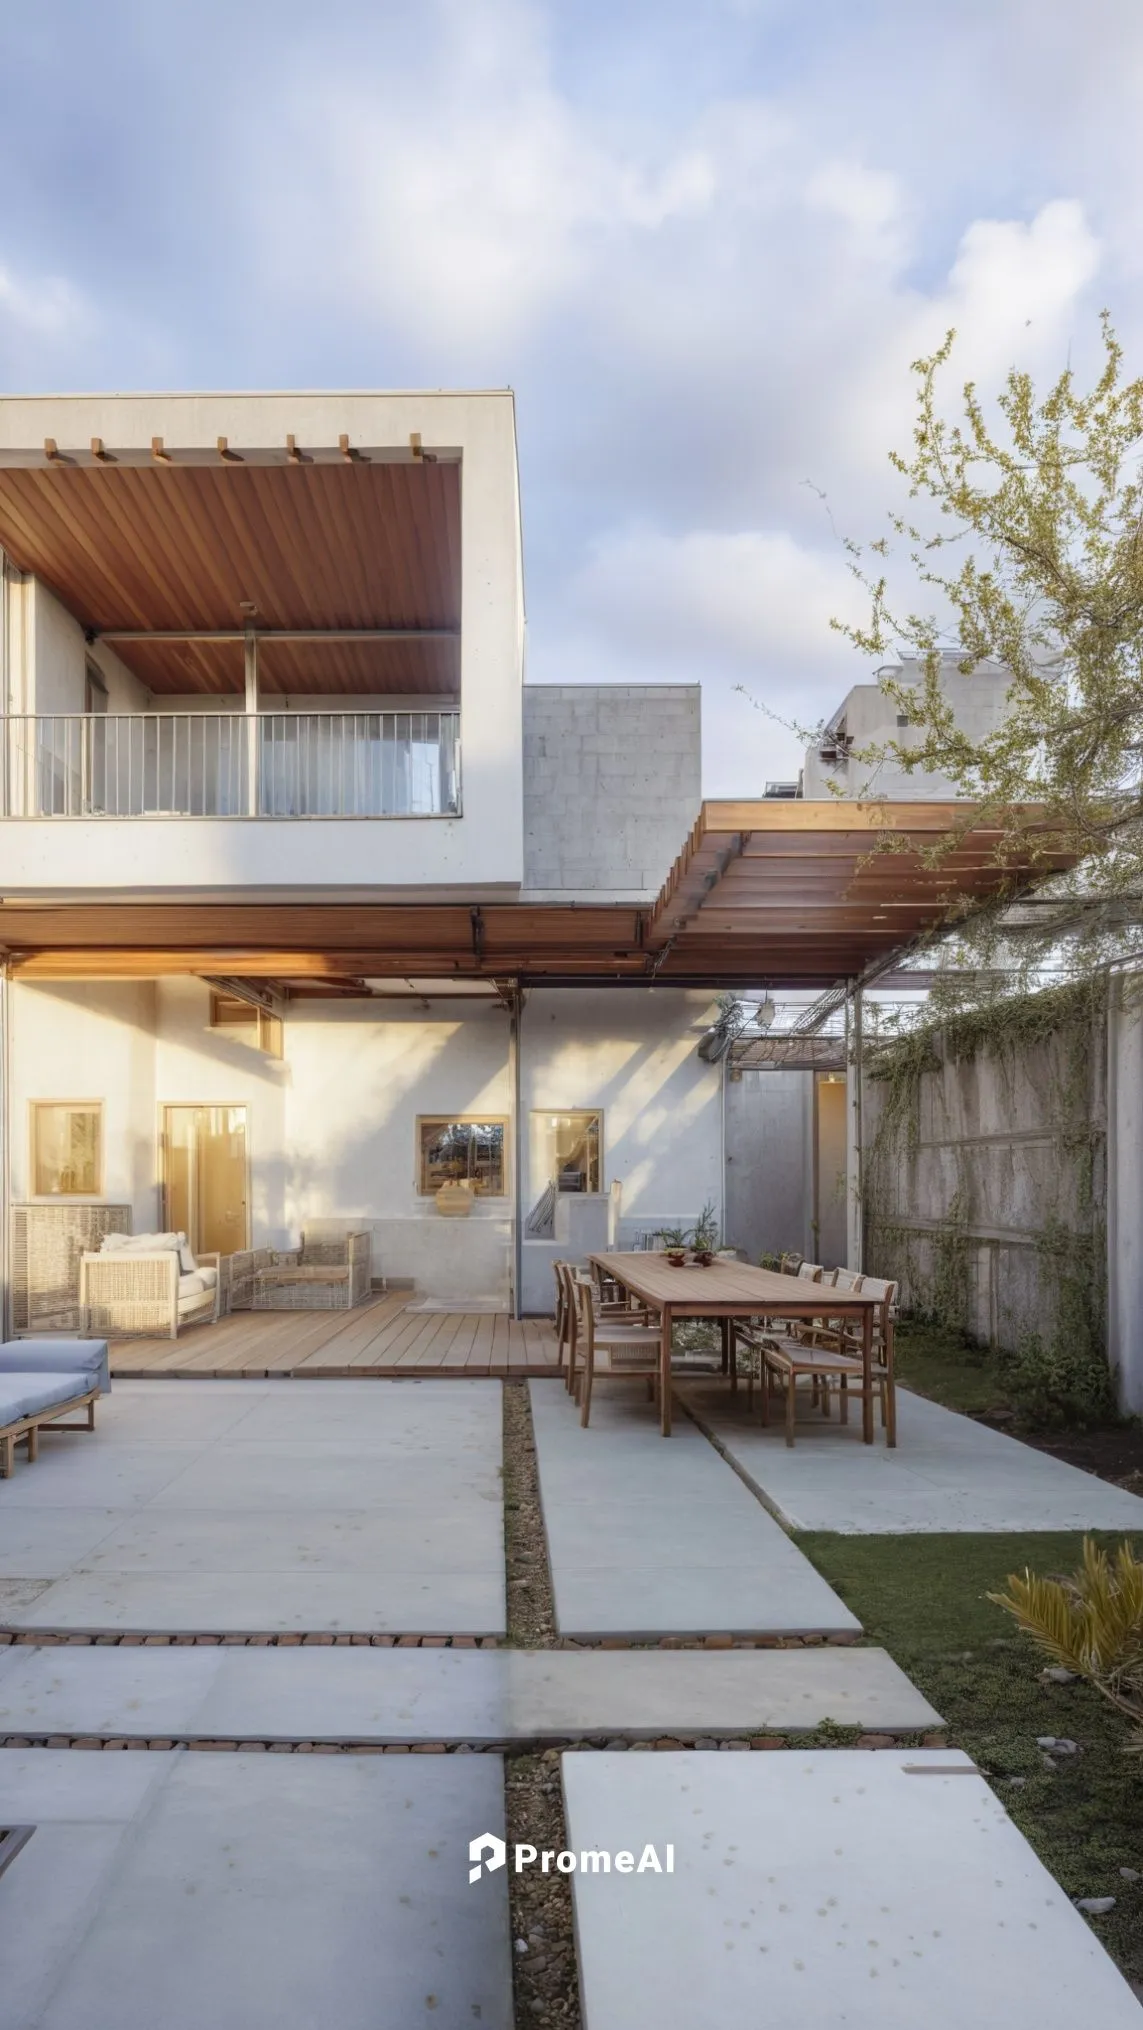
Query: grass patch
pixel 923 1599
pixel 941 1365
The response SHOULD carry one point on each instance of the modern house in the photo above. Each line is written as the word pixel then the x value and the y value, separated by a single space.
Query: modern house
pixel 310 905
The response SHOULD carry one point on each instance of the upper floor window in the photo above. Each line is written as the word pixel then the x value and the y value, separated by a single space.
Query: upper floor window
pixel 465 1151
pixel 254 1025
pixel 67 1148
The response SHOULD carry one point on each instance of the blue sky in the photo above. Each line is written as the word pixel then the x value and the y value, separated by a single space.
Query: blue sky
pixel 702 244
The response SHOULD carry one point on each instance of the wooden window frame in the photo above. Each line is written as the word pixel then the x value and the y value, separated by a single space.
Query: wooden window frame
pixel 39 1197
pixel 573 1114
pixel 501 1121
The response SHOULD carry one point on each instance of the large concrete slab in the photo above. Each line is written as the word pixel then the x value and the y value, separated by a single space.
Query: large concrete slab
pixel 241 1890
pixel 847 1890
pixel 652 1536
pixel 946 1473
pixel 369 1507
pixel 449 1695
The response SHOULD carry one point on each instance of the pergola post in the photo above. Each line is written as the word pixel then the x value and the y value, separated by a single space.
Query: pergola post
pixel 854 1147
pixel 250 666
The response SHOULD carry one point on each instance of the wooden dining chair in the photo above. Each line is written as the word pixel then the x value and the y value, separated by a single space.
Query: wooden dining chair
pixel 633 1352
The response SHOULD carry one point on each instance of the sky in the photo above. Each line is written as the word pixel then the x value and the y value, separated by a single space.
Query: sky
pixel 701 243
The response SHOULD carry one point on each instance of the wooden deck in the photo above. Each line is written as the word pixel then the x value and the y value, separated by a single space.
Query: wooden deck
pixel 382 1337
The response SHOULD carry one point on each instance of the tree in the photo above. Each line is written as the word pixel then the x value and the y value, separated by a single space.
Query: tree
pixel 1027 538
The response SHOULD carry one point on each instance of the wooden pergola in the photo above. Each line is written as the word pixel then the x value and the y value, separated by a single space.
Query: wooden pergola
pixel 791 894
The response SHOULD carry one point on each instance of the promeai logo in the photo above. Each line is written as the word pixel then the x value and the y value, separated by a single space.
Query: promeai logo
pixel 487 1851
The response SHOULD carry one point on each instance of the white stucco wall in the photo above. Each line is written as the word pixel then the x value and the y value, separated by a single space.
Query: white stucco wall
pixel 483 849
pixel 869 717
pixel 332 1126
pixel 1125 1192
pixel 89 1042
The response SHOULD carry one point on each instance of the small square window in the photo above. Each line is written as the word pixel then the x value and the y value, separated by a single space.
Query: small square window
pixel 903 719
pixel 466 1151
pixel 567 1150
pixel 67 1148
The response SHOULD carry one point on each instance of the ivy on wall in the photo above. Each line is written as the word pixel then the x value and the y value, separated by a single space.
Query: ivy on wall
pixel 1061 1369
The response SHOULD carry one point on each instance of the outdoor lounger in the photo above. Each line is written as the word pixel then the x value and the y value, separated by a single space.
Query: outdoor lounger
pixel 42 1381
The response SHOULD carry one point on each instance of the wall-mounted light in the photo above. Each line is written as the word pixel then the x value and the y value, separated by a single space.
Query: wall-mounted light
pixel 764 1013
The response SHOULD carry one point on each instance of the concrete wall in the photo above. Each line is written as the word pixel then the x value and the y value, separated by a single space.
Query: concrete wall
pixel 612 786
pixel 995 1165
pixel 1125 1189
pixel 769 1162
pixel 868 717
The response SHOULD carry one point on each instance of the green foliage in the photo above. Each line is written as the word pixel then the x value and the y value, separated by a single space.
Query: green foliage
pixel 674 1237
pixel 926 1599
pixel 1026 539
pixel 706 1233
pixel 1055 1035
pixel 1092 1623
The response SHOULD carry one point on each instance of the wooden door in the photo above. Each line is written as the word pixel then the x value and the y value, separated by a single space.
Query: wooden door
pixel 205 1176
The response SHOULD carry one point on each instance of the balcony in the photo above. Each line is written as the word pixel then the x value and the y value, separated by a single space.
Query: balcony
pixel 212 765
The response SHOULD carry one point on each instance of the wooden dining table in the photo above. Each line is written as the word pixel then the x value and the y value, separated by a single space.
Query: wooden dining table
pixel 728 1290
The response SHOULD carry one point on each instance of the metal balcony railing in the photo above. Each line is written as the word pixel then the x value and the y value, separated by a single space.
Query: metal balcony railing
pixel 207 765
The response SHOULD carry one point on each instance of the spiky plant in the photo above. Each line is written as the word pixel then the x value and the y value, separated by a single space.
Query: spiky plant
pixel 1092 1623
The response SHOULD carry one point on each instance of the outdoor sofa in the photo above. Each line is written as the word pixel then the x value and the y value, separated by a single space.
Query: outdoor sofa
pixel 147 1285
pixel 43 1380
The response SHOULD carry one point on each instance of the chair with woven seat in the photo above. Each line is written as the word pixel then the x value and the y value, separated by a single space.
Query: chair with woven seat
pixel 627 1310
pixel 843 1337
pixel 634 1352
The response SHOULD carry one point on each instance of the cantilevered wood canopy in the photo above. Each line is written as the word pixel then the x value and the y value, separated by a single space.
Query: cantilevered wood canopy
pixel 358 555
pixel 792 894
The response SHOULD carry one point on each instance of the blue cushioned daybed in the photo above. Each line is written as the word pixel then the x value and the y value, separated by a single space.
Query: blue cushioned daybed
pixel 42 1381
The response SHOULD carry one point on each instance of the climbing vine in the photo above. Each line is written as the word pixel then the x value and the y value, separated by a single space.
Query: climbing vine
pixel 1060 1371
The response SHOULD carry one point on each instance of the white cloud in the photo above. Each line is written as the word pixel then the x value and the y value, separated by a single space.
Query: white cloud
pixel 46 306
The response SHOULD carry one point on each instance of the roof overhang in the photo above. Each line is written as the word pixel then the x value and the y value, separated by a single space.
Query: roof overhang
pixel 344 558
pixel 791 895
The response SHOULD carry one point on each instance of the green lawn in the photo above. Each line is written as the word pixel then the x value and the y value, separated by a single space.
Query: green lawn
pixel 923 1599
pixel 940 1365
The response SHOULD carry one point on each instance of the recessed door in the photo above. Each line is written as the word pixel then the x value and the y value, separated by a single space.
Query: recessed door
pixel 205 1177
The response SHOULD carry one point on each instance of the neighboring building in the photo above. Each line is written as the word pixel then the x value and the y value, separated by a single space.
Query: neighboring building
pixel 261 660
pixel 867 717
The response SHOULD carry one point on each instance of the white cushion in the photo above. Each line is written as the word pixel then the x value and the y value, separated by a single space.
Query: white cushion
pixel 187 1262
pixel 191 1286
pixel 141 1244
pixel 24 1395
pixel 199 1300
pixel 209 1275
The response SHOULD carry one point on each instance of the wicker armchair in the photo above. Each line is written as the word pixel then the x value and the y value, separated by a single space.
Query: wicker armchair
pixel 328 1272
pixel 131 1295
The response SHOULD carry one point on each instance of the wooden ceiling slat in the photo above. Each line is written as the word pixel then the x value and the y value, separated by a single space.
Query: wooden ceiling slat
pixel 355 545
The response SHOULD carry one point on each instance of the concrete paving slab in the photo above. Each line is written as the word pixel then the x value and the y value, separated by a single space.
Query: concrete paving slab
pixel 844 1889
pixel 367 1507
pixel 652 1536
pixel 947 1473
pixel 241 1890
pixel 449 1695
pixel 36 1542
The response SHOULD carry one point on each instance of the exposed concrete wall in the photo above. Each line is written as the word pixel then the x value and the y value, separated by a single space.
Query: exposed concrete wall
pixel 1003 1157
pixel 769 1162
pixel 612 785
pixel 1125 1190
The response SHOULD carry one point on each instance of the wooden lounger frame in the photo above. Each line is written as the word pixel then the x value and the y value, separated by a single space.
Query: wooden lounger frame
pixel 29 1428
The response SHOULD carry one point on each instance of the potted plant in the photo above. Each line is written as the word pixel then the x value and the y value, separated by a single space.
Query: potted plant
pixel 674 1239
pixel 705 1236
